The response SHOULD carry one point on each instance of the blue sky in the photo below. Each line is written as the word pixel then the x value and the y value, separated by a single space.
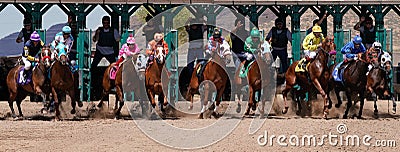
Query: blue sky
pixel 11 19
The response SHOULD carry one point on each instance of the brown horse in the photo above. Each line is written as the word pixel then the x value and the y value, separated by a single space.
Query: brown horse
pixel 154 79
pixel 354 83
pixel 260 76
pixel 214 71
pixel 62 80
pixel 39 78
pixel 135 75
pixel 317 74
pixel 378 77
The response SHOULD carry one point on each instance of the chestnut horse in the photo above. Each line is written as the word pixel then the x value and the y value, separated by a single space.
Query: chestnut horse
pixel 317 73
pixel 135 75
pixel 260 75
pixel 214 71
pixel 37 85
pixel 62 80
pixel 154 79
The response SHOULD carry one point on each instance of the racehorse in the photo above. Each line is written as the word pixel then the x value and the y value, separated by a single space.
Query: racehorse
pixel 133 66
pixel 214 71
pixel 37 85
pixel 62 79
pixel 378 77
pixel 153 79
pixel 260 75
pixel 317 75
pixel 353 83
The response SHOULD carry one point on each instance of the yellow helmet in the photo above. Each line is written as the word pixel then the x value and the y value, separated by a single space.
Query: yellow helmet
pixel 317 29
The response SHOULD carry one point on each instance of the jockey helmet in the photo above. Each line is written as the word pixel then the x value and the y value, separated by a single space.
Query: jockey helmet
pixel 130 40
pixel 255 33
pixel 66 29
pixel 377 45
pixel 278 20
pixel 357 39
pixel 216 33
pixel 158 36
pixel 317 29
pixel 35 36
pixel 27 22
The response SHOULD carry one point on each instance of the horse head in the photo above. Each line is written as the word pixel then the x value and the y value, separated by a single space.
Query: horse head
pixel 62 50
pixel 328 47
pixel 265 52
pixel 45 56
pixel 386 62
pixel 140 65
pixel 160 54
pixel 225 52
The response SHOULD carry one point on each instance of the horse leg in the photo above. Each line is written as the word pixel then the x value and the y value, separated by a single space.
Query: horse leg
pixel 251 98
pixel 339 99
pixel 56 103
pixel 19 107
pixel 348 95
pixel 323 94
pixel 394 105
pixel 71 94
pixel 375 106
pixel 220 92
pixel 361 104
pixel 161 100
pixel 121 101
pixel 285 91
pixel 13 95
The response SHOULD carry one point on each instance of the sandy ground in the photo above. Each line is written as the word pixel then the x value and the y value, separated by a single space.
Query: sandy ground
pixel 101 133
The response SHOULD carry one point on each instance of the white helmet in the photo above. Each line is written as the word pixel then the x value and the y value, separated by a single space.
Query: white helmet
pixel 377 45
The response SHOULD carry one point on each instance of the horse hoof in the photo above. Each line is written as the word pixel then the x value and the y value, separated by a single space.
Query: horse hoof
pixel 239 108
pixel 201 116
pixel 325 115
pixel 359 117
pixel 344 116
pixel 298 112
pixel 375 112
pixel 394 110
pixel 337 105
pixel 215 115
pixel 80 104
pixel 73 111
pixel 284 111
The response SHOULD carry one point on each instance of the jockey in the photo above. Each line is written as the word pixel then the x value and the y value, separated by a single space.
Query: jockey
pixel 214 42
pixel 153 44
pixel 31 48
pixel 378 47
pixel 352 50
pixel 65 38
pixel 251 45
pixel 311 42
pixel 128 49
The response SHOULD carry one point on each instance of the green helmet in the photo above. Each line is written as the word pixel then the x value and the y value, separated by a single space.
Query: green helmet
pixel 255 33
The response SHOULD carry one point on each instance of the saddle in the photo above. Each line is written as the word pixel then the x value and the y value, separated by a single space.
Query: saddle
pixel 21 80
pixel 301 67
pixel 246 70
pixel 200 68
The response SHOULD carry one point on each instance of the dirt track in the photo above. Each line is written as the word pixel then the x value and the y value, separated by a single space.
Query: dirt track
pixel 98 134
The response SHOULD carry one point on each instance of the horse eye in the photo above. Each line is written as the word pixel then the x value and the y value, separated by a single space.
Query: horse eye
pixel 383 59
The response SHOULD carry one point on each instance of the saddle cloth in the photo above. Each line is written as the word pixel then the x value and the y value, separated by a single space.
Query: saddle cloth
pixel 246 70
pixel 299 66
pixel 21 80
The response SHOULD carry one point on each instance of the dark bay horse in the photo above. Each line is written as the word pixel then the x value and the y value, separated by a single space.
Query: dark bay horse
pixel 62 80
pixel 317 72
pixel 134 73
pixel 154 79
pixel 214 72
pixel 37 85
pixel 260 75
pixel 378 78
pixel 354 83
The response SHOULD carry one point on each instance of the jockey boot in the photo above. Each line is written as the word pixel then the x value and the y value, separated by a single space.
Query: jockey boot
pixel 246 63
pixel 24 75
